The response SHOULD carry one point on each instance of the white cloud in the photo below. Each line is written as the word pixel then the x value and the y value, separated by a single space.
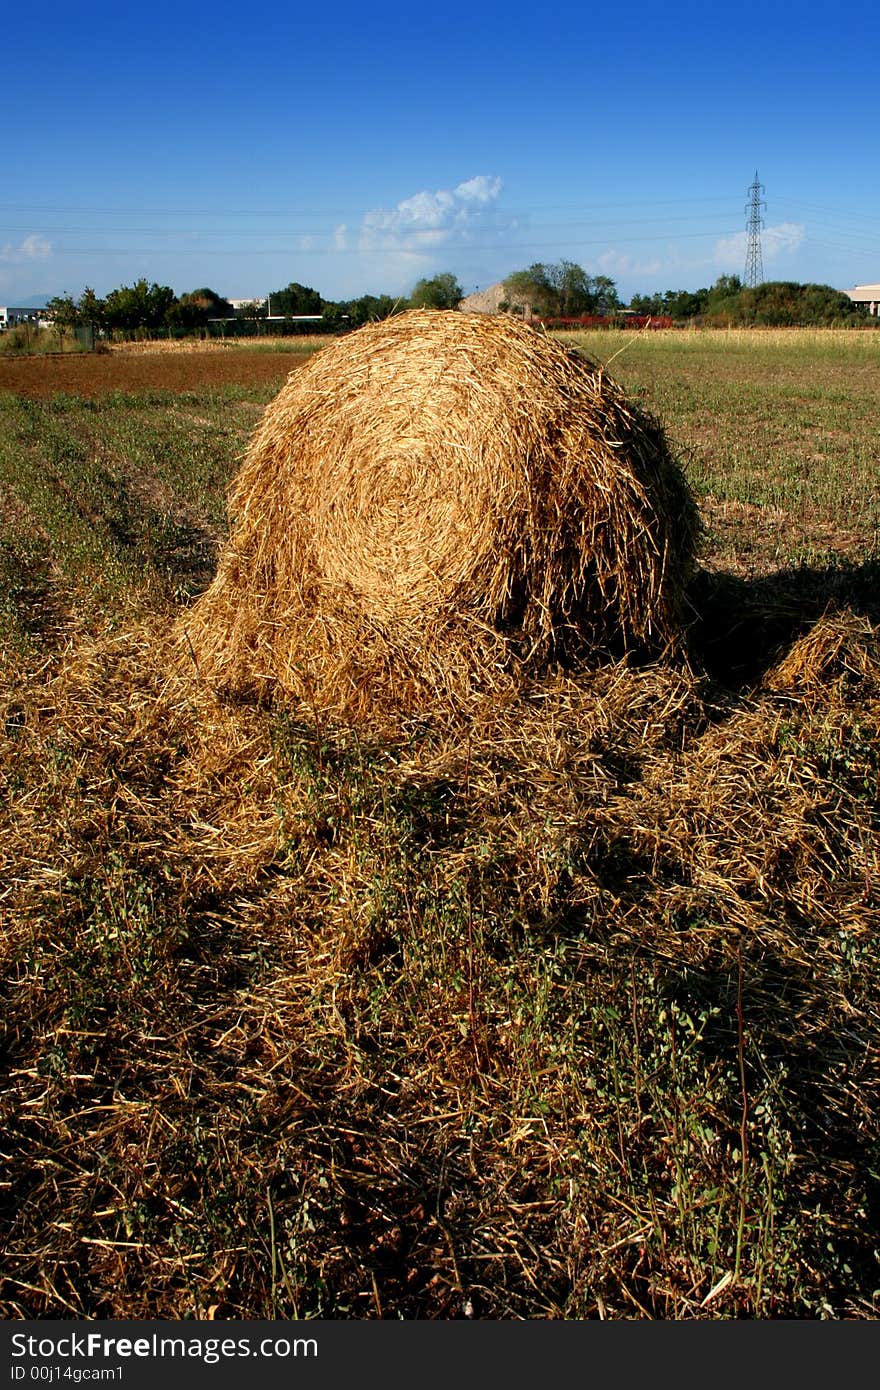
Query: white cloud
pixel 33 248
pixel 340 241
pixel 430 219
pixel 482 189
pixel 775 242
pixel 613 263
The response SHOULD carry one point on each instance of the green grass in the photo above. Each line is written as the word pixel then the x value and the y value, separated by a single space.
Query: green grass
pixel 113 498
pixel 775 421
pixel 25 340
pixel 566 1011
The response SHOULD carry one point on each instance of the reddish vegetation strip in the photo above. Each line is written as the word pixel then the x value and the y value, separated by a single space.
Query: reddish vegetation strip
pixel 97 375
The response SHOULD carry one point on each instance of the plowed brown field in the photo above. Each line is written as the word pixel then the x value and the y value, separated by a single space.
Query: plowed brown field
pixel 89 374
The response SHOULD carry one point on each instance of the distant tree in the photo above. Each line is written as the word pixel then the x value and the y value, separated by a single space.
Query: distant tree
pixel 647 304
pixel 779 303
pixel 532 288
pixel 63 312
pixel 722 300
pixel 685 304
pixel 562 290
pixel 186 315
pixel 92 310
pixel 255 309
pixel 823 305
pixel 215 306
pixel 440 292
pixel 787 304
pixel 725 287
pixel 605 296
pixel 138 307
pixel 191 311
pixel 572 289
pixel 368 308
pixel 296 299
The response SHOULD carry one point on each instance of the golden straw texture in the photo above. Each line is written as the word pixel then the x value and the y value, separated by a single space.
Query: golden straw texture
pixel 433 504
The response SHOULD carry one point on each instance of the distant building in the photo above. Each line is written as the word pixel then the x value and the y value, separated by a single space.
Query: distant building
pixel 241 306
pixel 12 315
pixel 865 297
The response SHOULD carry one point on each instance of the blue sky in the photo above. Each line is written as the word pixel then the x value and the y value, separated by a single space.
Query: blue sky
pixel 359 147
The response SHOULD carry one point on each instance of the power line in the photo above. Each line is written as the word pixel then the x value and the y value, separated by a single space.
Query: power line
pixel 47 229
pixel 838 213
pixel 219 211
pixel 403 246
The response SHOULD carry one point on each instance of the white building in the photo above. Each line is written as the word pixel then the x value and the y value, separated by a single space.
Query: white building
pixel 866 297
pixel 11 315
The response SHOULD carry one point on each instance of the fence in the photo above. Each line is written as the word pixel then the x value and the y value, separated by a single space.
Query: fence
pixel 606 321
pixel 274 327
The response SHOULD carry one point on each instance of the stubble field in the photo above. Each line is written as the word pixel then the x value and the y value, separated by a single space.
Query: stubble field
pixel 565 1010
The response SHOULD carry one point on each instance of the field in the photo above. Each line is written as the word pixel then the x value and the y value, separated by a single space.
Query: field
pixel 168 367
pixel 568 1009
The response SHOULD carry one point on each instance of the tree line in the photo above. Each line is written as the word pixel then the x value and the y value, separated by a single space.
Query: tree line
pixel 565 290
pixel 151 310
pixel 773 304
pixel 140 308
pixel 550 291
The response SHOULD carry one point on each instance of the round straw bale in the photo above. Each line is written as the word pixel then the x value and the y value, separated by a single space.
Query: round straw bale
pixel 434 504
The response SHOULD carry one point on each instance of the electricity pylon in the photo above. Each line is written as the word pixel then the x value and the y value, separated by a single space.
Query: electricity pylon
pixel 754 265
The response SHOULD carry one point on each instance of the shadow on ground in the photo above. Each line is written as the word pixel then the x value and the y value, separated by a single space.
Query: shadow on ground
pixel 742 627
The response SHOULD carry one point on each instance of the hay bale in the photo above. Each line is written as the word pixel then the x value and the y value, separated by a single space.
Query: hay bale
pixel 433 505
